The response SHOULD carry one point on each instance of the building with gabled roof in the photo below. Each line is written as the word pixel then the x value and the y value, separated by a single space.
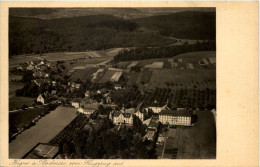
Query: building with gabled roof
pixel 117 117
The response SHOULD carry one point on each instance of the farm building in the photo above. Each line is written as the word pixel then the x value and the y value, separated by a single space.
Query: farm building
pixel 175 117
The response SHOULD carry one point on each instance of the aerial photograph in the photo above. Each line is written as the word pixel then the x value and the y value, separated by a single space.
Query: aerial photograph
pixel 112 83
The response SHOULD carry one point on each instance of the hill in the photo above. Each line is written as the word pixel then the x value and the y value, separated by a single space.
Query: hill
pixel 185 25
pixel 31 35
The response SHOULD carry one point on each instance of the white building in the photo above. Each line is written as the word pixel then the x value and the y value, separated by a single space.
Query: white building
pixel 75 104
pixel 86 111
pixel 41 99
pixel 175 117
pixel 157 109
pixel 118 117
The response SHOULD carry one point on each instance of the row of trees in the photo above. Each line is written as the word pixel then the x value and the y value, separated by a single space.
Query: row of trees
pixel 204 98
pixel 142 53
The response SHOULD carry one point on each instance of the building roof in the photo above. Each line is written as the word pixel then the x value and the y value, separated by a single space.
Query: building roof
pixel 175 112
pixel 126 115
pixel 43 151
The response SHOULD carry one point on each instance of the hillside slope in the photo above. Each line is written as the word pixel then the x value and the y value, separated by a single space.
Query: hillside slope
pixel 185 25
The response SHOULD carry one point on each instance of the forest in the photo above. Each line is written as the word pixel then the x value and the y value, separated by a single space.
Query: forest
pixel 98 32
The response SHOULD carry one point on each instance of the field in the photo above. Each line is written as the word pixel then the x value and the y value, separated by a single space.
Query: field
pixel 170 75
pixel 107 76
pixel 199 141
pixel 44 130
pixel 83 74
pixel 182 61
pixel 21 118
pixel 18 102
pixel 83 57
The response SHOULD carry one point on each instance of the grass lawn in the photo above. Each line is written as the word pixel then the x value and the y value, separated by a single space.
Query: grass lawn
pixel 44 130
pixel 18 102
pixel 199 141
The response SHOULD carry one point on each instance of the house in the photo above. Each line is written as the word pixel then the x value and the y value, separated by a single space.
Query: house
pixel 117 87
pixel 46 75
pixel 53 92
pixel 87 93
pixel 41 99
pixel 175 117
pixel 53 83
pixel 37 74
pixel 77 86
pixel 30 67
pixel 117 117
pixel 19 68
pixel 43 62
pixel 75 104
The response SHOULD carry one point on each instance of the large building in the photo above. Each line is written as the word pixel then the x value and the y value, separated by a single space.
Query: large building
pixel 157 109
pixel 175 117
pixel 119 117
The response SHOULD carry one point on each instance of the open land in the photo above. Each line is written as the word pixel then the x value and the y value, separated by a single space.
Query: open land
pixel 44 130
pixel 199 141
pixel 17 102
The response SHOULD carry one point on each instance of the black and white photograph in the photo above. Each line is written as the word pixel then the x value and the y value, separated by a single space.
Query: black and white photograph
pixel 112 83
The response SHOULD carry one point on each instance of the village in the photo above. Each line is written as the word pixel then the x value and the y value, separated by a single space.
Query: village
pixel 157 120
